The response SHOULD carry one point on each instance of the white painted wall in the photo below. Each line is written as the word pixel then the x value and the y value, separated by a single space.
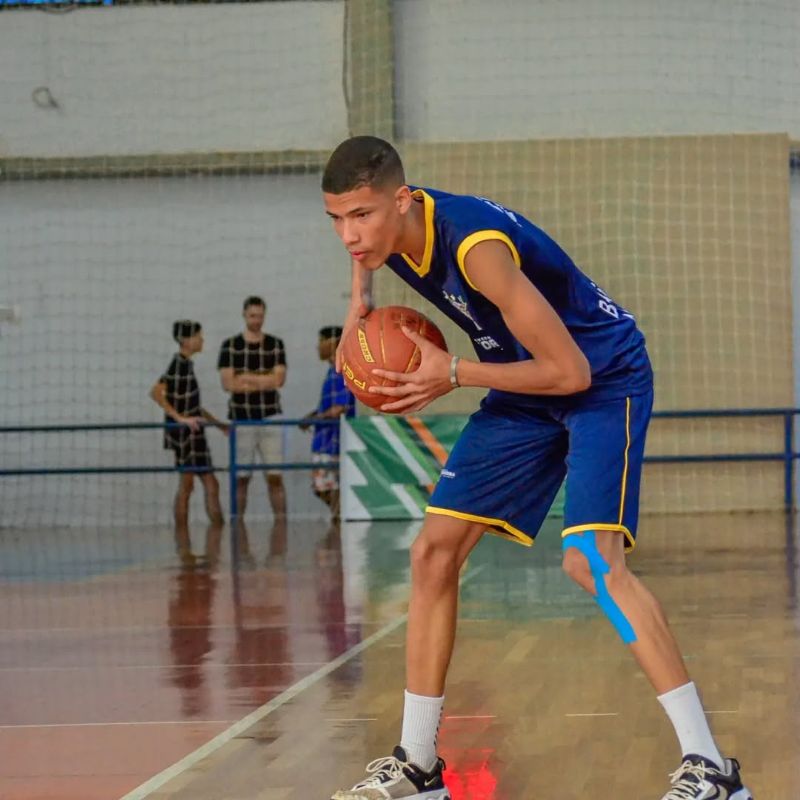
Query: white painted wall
pixel 520 69
pixel 101 269
pixel 170 79
pixel 268 76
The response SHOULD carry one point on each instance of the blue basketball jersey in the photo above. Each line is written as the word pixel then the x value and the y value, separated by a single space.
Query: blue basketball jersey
pixel 605 332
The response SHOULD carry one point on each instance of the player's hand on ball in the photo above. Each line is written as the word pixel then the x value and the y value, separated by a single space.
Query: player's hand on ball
pixel 416 389
pixel 356 312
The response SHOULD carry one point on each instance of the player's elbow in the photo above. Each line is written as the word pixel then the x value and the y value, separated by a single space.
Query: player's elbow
pixel 578 378
pixel 577 383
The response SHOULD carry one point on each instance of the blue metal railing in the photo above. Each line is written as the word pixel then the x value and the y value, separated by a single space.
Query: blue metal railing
pixel 788 455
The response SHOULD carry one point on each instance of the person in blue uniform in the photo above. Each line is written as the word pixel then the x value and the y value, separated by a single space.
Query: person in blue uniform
pixel 335 401
pixel 570 392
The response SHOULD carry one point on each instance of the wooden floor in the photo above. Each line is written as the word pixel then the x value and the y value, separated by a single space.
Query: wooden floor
pixel 128 671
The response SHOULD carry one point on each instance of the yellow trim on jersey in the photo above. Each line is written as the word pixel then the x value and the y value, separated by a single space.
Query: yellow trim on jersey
pixel 476 238
pixel 509 531
pixel 603 526
pixel 627 447
pixel 425 267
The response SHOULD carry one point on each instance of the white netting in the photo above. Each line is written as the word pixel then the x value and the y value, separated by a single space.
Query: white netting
pixel 191 137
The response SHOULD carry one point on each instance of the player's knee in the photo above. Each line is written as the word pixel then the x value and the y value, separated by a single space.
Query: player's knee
pixel 433 560
pixel 185 490
pixel 275 480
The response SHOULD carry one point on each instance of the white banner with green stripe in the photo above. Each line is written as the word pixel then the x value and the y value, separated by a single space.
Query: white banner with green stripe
pixel 389 465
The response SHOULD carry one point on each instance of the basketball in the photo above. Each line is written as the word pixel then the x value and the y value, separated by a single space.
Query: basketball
pixel 377 342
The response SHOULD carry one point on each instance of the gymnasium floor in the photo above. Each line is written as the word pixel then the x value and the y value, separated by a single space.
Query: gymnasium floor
pixel 128 671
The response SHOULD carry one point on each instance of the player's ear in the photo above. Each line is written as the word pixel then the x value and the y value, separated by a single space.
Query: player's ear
pixel 403 199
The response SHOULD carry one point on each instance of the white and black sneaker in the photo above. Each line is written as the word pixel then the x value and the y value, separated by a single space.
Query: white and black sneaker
pixel 396 778
pixel 697 778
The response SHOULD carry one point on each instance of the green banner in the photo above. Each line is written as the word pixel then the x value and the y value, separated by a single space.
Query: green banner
pixel 390 464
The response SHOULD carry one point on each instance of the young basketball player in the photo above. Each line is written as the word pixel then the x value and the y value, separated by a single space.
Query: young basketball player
pixel 335 401
pixel 178 394
pixel 570 394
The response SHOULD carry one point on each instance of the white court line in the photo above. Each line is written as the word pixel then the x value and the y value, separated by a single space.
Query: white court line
pixel 157 781
pixel 616 714
pixel 119 724
pixel 606 714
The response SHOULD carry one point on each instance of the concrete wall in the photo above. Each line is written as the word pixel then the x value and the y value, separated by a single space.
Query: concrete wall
pixel 511 69
pixel 167 79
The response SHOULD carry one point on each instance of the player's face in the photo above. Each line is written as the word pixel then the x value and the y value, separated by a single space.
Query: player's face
pixel 326 348
pixel 254 318
pixel 369 221
pixel 197 342
pixel 193 344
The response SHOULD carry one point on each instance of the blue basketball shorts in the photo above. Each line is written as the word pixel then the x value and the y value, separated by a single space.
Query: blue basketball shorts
pixel 509 462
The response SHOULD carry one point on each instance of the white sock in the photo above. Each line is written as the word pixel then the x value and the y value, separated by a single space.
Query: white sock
pixel 686 712
pixel 421 717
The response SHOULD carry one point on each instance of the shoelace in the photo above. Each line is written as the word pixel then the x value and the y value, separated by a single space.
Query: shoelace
pixel 683 785
pixel 385 769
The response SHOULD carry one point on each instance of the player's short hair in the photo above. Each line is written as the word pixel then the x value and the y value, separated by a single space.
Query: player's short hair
pixel 330 332
pixel 185 329
pixel 362 161
pixel 253 300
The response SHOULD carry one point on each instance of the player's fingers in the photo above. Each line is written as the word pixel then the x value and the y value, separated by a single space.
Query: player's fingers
pixel 414 336
pixel 411 403
pixel 395 391
pixel 399 377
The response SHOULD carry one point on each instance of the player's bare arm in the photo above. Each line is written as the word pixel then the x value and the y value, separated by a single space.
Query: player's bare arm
pixel 559 367
pixel 215 421
pixel 159 395
pixel 244 382
pixel 264 381
pixel 361 303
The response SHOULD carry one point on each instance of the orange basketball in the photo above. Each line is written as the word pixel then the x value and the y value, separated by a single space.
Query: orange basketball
pixel 378 342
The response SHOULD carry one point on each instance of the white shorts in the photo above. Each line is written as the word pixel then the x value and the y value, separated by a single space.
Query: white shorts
pixel 259 444
pixel 325 478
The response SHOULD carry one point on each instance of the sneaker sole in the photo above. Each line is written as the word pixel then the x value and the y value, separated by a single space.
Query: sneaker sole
pixel 742 794
pixel 439 794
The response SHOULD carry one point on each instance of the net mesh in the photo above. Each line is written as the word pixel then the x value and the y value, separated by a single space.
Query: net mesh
pixel 161 161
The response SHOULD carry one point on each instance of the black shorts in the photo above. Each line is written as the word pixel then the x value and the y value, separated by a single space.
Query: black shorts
pixel 191 450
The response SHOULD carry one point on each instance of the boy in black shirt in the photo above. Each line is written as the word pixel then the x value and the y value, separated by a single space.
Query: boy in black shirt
pixel 252 367
pixel 177 392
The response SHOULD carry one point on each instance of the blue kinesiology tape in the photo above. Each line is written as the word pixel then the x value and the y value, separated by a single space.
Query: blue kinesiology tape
pixel 586 544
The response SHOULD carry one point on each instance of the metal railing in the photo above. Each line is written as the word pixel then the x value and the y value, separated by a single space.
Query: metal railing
pixel 787 455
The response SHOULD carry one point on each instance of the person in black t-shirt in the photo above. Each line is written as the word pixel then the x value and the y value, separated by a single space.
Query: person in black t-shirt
pixel 177 392
pixel 252 367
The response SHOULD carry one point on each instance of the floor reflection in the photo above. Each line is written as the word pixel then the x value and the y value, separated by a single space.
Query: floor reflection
pixel 151 642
